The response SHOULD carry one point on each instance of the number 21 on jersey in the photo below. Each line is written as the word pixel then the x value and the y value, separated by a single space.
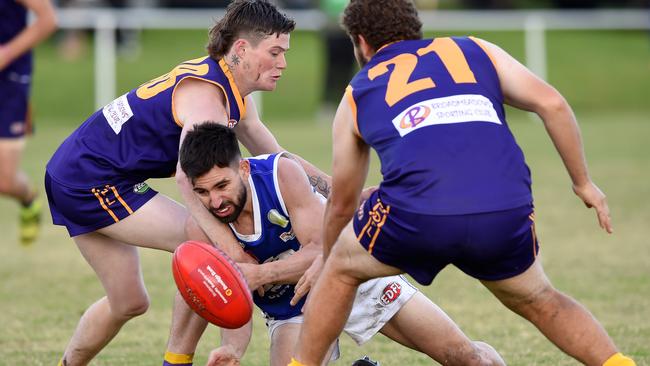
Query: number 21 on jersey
pixel 399 86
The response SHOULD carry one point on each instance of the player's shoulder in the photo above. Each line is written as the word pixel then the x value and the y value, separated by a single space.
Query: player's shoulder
pixel 289 166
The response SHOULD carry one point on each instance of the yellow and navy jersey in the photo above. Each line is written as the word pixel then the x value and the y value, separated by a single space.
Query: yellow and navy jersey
pixel 136 137
pixel 13 19
pixel 433 111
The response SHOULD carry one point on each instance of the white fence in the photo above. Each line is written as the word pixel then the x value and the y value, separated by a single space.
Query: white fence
pixel 534 23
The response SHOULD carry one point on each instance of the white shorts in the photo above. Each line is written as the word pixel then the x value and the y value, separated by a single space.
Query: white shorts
pixel 376 302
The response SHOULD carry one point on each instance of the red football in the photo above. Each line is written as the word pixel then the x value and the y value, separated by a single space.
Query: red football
pixel 212 285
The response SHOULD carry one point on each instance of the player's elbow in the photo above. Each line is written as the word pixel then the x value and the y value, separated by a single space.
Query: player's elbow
pixel 48 23
pixel 552 104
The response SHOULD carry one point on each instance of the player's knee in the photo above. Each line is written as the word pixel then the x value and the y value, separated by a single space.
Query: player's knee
pixel 131 308
pixel 538 302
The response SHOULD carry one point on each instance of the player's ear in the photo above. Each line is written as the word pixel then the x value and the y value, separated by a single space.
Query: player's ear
pixel 366 50
pixel 244 168
pixel 239 47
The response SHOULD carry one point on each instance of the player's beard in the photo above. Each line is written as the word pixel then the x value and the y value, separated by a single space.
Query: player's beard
pixel 238 206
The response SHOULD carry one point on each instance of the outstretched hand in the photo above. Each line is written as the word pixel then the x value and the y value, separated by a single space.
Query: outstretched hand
pixel 307 280
pixel 223 356
pixel 592 196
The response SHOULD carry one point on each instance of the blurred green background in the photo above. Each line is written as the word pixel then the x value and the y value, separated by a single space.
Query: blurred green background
pixel 605 75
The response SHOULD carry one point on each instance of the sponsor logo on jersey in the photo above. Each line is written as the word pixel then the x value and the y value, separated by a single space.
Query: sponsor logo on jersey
pixel 446 110
pixel 232 123
pixel 391 293
pixel 414 116
pixel 140 188
pixel 287 235
pixel 117 113
pixel 17 128
pixel 277 218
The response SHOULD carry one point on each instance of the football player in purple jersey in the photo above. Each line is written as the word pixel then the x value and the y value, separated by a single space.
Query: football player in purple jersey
pixel 17 39
pixel 455 189
pixel 96 180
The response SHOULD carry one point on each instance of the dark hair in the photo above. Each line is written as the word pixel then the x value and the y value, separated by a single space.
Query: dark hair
pixel 381 22
pixel 250 19
pixel 208 145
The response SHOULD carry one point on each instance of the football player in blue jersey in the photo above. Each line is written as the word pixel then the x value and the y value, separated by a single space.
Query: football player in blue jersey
pixel 270 206
pixel 455 189
pixel 17 38
pixel 96 180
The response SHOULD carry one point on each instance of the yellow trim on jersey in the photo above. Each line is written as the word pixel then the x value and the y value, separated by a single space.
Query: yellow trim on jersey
pixel 378 229
pixel 353 107
pixel 485 49
pixel 101 202
pixel 176 119
pixel 178 357
pixel 235 91
pixel 119 198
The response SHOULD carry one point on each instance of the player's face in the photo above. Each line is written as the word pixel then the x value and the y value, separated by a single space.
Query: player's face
pixel 223 192
pixel 266 61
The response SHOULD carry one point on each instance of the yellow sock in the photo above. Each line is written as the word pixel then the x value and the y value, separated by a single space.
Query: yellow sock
pixel 296 363
pixel 619 360
pixel 172 358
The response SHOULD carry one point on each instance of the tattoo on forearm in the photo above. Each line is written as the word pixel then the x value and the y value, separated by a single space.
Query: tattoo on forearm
pixel 320 184
pixel 235 60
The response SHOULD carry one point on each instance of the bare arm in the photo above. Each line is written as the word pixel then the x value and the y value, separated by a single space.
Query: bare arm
pixel 257 138
pixel 196 102
pixel 305 210
pixel 524 90
pixel 351 158
pixel 44 25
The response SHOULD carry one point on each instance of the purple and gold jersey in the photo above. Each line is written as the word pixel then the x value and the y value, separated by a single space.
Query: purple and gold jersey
pixel 13 19
pixel 136 137
pixel 433 111
pixel 273 236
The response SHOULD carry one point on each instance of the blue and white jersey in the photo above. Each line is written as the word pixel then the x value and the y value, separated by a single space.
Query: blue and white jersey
pixel 273 236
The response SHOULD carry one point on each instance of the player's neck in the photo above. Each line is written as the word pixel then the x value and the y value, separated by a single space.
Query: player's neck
pixel 238 74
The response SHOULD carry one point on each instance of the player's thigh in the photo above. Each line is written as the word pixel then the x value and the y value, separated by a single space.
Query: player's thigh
pixel 349 258
pixel 159 224
pixel 117 266
pixel 423 326
pixel 10 154
pixel 519 288
pixel 283 341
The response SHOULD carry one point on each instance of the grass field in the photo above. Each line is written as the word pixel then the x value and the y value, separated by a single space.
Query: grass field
pixel 606 75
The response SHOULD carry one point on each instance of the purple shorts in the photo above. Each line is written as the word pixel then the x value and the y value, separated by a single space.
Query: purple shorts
pixel 15 119
pixel 488 246
pixel 84 210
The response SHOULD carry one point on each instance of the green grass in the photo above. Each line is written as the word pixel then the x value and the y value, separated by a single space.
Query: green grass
pixel 45 288
pixel 599 71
